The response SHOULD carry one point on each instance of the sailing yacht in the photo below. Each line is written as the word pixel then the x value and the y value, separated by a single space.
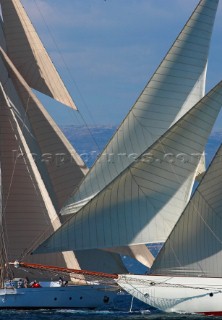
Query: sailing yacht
pixel 147 200
pixel 186 277
pixel 34 182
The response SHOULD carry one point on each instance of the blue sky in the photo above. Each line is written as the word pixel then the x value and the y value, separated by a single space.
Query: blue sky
pixel 107 50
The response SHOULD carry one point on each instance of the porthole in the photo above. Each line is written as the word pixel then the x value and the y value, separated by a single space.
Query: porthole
pixel 211 294
pixel 70 298
pixel 106 299
pixel 80 298
pixel 55 299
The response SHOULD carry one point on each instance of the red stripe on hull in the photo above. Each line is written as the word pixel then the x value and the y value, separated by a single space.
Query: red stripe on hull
pixel 211 313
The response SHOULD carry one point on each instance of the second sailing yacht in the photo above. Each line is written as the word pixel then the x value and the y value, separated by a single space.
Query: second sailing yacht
pixel 33 191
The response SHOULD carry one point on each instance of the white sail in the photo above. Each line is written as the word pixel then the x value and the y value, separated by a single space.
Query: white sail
pixel 194 246
pixel 177 84
pixel 143 204
pixel 29 55
pixel 186 276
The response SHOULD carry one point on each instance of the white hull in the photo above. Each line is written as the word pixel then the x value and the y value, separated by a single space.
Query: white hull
pixel 76 297
pixel 176 294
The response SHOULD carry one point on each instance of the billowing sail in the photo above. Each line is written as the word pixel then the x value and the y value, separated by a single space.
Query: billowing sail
pixel 194 246
pixel 177 85
pixel 143 203
pixel 28 54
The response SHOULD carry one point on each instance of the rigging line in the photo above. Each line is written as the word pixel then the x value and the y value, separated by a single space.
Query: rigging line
pixel 163 284
pixel 196 240
pixel 27 166
pixel 89 130
pixel 70 75
pixel 10 184
pixel 13 170
pixel 22 130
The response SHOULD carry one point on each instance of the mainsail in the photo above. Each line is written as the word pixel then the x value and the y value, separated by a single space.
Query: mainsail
pixel 144 202
pixel 61 167
pixel 28 133
pixel 177 85
pixel 23 191
pixel 194 246
pixel 28 54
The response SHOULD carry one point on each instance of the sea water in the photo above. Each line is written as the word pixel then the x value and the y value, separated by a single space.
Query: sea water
pixel 95 315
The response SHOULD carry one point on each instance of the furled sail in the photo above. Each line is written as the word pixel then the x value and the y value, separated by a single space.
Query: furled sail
pixel 29 55
pixel 177 85
pixel 144 202
pixel 194 246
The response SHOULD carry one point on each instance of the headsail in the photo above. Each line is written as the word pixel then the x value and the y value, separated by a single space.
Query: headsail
pixel 29 55
pixel 194 246
pixel 177 85
pixel 143 204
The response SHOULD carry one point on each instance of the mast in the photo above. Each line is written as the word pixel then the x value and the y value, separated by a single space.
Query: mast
pixel 2 253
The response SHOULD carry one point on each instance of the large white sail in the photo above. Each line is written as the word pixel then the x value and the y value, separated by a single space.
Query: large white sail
pixel 194 246
pixel 143 203
pixel 29 55
pixel 177 84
